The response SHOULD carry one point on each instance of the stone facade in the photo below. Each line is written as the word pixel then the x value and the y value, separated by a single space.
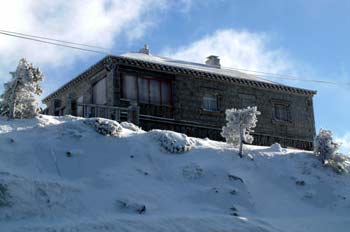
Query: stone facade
pixel 186 113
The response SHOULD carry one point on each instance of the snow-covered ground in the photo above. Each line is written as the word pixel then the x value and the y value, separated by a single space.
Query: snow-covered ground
pixel 59 174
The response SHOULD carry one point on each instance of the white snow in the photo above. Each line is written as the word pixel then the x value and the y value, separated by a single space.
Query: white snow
pixel 194 66
pixel 59 174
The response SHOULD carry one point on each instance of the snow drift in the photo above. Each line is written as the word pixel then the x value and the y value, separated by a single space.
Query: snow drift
pixel 59 174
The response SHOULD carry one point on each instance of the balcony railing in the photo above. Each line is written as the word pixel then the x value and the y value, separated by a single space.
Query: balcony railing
pixel 101 111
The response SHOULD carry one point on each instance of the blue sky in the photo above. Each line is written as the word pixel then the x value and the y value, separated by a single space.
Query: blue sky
pixel 308 39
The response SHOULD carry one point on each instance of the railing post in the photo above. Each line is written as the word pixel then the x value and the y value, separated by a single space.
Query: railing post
pixel 134 113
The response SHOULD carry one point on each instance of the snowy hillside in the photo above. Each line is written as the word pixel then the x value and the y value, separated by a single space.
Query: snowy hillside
pixel 59 174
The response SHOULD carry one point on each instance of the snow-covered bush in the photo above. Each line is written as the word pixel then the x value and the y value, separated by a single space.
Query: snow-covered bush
pixel 239 125
pixel 18 99
pixel 326 149
pixel 130 126
pixel 173 142
pixel 338 167
pixel 276 147
pixel 105 127
pixel 324 146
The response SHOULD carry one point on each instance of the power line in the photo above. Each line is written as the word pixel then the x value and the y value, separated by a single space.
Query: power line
pixel 63 43
pixel 57 44
pixel 284 76
pixel 56 40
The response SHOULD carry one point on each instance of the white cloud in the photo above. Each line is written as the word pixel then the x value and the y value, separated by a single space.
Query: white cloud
pixel 345 143
pixel 98 22
pixel 238 49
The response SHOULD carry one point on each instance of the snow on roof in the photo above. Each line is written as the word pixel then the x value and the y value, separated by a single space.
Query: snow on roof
pixel 197 67
pixel 194 66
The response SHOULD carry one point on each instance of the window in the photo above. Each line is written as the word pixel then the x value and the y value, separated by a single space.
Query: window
pixel 166 93
pixel 210 103
pixel 80 101
pixel 146 89
pixel 281 112
pixel 143 90
pixel 247 100
pixel 99 93
pixel 129 83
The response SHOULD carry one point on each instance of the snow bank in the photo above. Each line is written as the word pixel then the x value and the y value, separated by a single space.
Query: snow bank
pixel 130 126
pixel 128 184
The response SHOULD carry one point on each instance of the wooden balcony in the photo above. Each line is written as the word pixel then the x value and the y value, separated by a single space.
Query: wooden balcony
pixel 101 111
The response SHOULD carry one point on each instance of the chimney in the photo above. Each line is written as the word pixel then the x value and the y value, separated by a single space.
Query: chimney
pixel 144 50
pixel 213 61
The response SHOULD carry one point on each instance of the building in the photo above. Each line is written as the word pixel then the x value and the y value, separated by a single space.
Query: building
pixel 186 97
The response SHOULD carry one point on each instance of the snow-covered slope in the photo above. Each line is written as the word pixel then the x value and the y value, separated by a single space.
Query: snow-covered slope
pixel 58 174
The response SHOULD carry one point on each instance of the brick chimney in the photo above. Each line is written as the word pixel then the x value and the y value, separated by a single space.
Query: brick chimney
pixel 213 61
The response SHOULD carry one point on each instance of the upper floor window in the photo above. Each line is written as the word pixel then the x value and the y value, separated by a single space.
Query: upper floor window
pixel 210 103
pixel 146 89
pixel 247 100
pixel 99 92
pixel 281 112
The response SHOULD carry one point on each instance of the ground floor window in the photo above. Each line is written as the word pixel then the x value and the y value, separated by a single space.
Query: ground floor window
pixel 281 112
pixel 210 103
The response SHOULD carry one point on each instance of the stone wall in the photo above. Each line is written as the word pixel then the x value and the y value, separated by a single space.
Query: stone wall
pixel 188 106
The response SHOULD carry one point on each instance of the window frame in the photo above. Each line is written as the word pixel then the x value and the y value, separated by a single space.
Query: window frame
pixel 286 105
pixel 148 77
pixel 212 96
pixel 106 89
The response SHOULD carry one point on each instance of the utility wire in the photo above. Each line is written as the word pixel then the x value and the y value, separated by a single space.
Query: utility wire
pixel 265 75
pixel 62 43
pixel 56 40
pixel 57 44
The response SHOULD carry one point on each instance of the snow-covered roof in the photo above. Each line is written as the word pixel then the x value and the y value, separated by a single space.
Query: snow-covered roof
pixel 193 66
pixel 163 64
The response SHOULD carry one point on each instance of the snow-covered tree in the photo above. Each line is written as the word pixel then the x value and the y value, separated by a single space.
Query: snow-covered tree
pixel 18 99
pixel 239 125
pixel 324 146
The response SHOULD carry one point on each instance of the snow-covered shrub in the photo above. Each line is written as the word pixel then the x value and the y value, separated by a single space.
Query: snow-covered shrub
pixel 173 142
pixel 239 125
pixel 192 171
pixel 18 99
pixel 105 127
pixel 324 146
pixel 326 149
pixel 338 167
pixel 130 126
pixel 276 147
pixel 339 163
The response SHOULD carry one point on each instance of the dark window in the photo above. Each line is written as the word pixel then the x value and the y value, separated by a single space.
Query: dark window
pixel 143 90
pixel 210 103
pixel 247 100
pixel 281 112
pixel 146 89
pixel 129 84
